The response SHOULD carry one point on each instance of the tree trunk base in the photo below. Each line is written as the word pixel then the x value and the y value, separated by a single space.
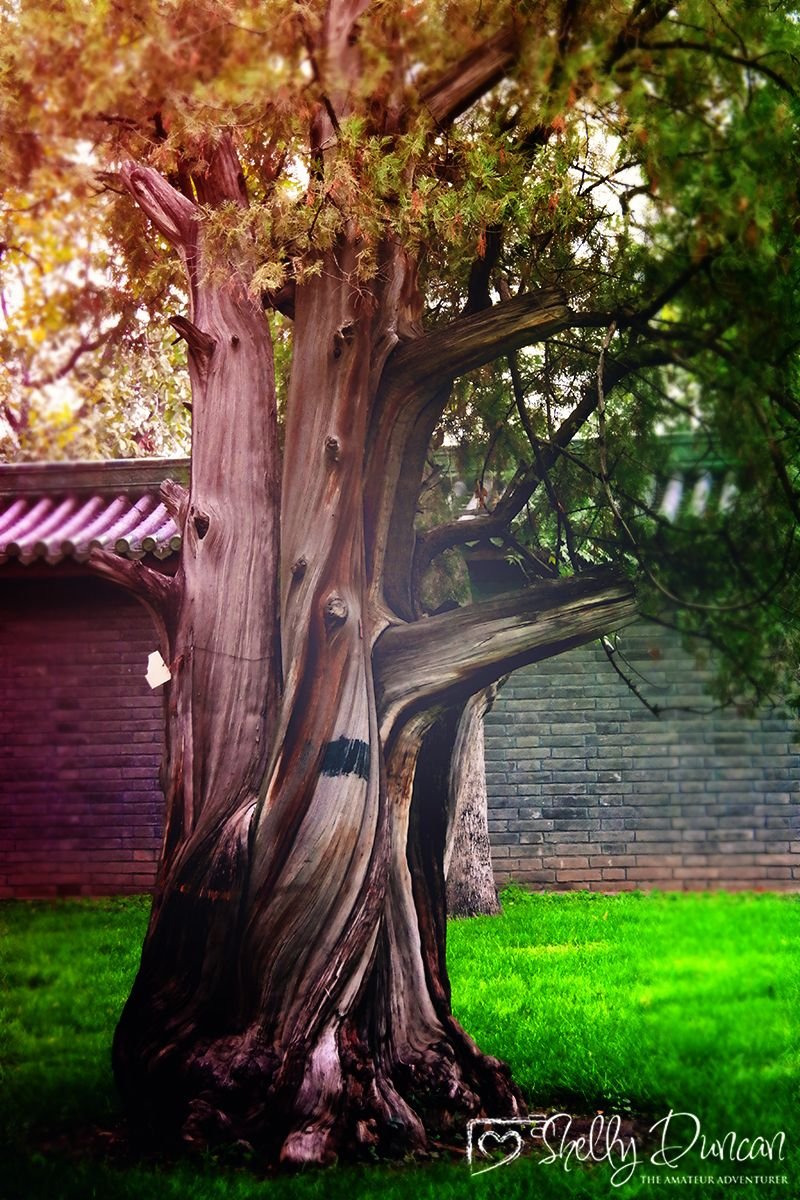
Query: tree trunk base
pixel 234 1093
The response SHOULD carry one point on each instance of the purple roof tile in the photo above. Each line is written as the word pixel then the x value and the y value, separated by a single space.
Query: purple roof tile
pixel 52 513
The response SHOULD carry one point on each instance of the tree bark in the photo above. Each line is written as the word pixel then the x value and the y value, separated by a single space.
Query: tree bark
pixel 468 868
pixel 293 990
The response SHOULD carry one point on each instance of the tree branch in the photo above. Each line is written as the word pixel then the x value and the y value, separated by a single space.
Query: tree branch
pixel 542 469
pixel 471 78
pixel 478 295
pixel 751 64
pixel 644 17
pixel 199 342
pixel 474 340
pixel 85 346
pixel 282 299
pixel 414 391
pixel 525 483
pixel 135 576
pixel 442 659
pixel 175 498
pixel 172 214
pixel 221 179
pixel 672 289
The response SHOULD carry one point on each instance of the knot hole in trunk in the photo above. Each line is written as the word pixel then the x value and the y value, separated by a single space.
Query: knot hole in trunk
pixel 335 612
pixel 343 337
pixel 201 523
pixel 332 449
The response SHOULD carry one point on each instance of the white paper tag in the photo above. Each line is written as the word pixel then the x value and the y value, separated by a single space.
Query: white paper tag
pixel 157 670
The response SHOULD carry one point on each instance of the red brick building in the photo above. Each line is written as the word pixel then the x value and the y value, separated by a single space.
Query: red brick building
pixel 81 810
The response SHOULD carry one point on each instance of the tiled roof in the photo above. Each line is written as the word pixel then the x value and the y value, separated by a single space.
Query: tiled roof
pixel 58 511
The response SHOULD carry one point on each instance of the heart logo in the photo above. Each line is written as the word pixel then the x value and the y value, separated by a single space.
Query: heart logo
pixel 491 1141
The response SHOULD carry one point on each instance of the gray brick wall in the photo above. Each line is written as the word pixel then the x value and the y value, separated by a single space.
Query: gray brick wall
pixel 588 790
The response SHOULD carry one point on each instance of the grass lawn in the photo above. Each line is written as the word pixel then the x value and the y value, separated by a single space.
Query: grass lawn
pixel 629 1004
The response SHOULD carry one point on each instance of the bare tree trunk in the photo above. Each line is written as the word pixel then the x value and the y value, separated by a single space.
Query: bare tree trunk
pixel 468 866
pixel 293 991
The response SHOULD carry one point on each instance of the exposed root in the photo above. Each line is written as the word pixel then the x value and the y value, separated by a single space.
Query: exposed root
pixel 348 1103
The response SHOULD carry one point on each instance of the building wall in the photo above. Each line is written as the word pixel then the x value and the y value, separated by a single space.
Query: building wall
pixel 588 790
pixel 80 736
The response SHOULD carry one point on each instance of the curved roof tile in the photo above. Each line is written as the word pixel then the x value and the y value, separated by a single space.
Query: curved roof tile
pixel 70 526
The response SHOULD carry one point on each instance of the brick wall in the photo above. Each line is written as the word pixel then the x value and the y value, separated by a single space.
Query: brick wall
pixel 81 734
pixel 588 790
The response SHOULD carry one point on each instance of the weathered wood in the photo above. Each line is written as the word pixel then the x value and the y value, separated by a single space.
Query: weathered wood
pixel 468 866
pixel 441 659
pixel 470 342
pixel 293 988
pixel 135 576
pixel 175 498
pixel 172 213
pixel 467 80
pixel 224 653
pixel 413 392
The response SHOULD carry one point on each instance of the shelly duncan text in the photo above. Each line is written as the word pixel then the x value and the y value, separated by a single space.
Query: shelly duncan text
pixel 678 1134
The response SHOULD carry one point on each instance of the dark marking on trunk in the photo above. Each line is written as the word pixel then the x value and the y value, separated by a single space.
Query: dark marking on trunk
pixel 299 569
pixel 332 449
pixel 346 756
pixel 235 340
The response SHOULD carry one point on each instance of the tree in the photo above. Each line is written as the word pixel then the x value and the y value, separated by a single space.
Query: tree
pixel 406 195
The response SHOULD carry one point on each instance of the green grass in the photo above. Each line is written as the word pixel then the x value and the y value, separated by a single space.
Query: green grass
pixel 628 1004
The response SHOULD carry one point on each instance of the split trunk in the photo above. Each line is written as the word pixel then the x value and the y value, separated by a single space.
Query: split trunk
pixel 293 991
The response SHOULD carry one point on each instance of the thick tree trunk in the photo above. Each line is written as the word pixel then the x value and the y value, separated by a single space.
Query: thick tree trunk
pixel 469 872
pixel 293 991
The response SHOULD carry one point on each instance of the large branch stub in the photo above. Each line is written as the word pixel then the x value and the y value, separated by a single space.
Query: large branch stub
pixel 175 498
pixel 441 659
pixel 134 575
pixel 201 344
pixel 161 594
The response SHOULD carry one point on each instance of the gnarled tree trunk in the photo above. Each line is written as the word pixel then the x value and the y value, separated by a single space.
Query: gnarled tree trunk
pixel 293 990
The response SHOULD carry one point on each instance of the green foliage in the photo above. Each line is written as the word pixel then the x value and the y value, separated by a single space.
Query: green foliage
pixel 627 1003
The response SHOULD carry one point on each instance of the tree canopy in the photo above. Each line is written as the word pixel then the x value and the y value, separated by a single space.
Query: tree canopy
pixel 639 162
